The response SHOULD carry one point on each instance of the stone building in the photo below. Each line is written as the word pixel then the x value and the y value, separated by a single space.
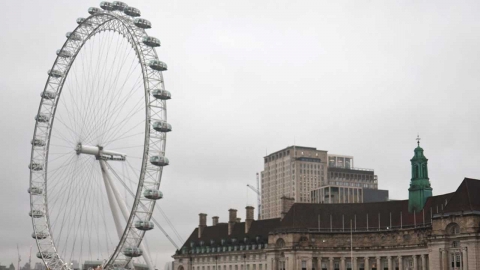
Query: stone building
pixel 424 232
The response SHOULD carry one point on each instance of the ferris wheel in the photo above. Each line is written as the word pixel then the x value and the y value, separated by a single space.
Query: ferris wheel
pixel 98 147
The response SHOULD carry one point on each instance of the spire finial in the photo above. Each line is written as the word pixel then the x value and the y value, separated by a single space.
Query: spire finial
pixel 418 139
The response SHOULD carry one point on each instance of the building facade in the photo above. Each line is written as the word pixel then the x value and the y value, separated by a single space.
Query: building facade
pixel 297 171
pixel 292 172
pixel 346 194
pixel 441 233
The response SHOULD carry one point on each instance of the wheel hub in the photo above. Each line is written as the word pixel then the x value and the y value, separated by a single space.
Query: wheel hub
pixel 99 152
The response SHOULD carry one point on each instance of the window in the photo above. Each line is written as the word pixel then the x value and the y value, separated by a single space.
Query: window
pixel 452 229
pixel 304 265
pixel 280 243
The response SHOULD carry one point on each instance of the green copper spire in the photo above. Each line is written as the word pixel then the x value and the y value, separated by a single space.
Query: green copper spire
pixel 420 189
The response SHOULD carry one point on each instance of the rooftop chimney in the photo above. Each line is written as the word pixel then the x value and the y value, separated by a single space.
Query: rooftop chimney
pixel 214 221
pixel 202 224
pixel 286 205
pixel 249 218
pixel 238 220
pixel 232 217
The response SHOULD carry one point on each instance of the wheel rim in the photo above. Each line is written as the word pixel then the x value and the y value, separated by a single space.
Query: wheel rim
pixel 46 196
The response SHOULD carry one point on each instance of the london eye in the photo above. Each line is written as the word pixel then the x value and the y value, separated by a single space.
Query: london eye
pixel 98 147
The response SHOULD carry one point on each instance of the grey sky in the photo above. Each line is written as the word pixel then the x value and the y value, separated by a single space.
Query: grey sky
pixel 248 77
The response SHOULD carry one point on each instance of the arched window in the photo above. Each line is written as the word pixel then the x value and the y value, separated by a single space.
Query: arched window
pixel 452 229
pixel 425 171
pixel 280 243
pixel 180 267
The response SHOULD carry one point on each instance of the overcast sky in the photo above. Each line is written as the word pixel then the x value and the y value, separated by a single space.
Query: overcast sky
pixel 249 77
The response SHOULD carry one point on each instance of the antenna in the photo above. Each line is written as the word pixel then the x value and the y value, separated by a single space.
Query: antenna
pixel 30 258
pixel 19 259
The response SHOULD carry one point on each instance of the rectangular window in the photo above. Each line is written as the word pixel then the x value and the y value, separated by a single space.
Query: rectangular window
pixel 304 265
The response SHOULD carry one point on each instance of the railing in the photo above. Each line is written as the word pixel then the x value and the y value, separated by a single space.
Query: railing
pixel 350 168
pixel 354 230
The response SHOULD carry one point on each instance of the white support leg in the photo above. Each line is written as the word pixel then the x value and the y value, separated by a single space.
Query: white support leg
pixel 123 207
pixel 111 199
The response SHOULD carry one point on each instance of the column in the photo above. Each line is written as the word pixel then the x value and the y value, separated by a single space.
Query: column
pixel 354 263
pixel 390 266
pixel 378 263
pixel 424 262
pixel 415 265
pixel 464 259
pixel 400 263
pixel 444 260
pixel 330 267
pixel 342 264
pixel 367 266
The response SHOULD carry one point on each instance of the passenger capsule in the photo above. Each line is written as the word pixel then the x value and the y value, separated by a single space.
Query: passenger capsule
pixel 94 10
pixel 144 225
pixel 106 5
pixel 55 73
pixel 35 167
pixel 159 161
pixel 42 118
pixel 162 126
pixel 45 255
pixel 131 11
pixel 48 95
pixel 117 5
pixel 73 36
pixel 36 213
pixel 142 23
pixel 83 21
pixel 40 235
pixel 132 252
pixel 64 53
pixel 161 94
pixel 157 65
pixel 151 41
pixel 35 190
pixel 153 194
pixel 37 142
